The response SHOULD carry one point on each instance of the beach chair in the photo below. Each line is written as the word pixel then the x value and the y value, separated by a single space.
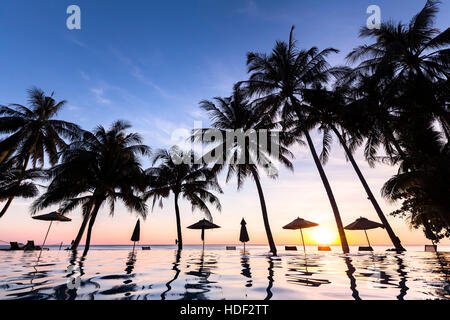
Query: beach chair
pixel 30 246
pixel 430 248
pixel 14 246
pixel 231 248
pixel 146 248
pixel 290 248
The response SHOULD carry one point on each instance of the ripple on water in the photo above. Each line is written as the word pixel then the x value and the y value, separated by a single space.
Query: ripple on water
pixel 165 274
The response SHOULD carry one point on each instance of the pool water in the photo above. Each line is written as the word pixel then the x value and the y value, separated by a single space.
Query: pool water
pixel 115 272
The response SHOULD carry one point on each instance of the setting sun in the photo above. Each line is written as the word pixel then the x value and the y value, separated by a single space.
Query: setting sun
pixel 324 236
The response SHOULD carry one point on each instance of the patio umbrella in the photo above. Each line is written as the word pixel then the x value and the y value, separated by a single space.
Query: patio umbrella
pixel 136 233
pixel 53 216
pixel 243 237
pixel 203 225
pixel 300 224
pixel 364 224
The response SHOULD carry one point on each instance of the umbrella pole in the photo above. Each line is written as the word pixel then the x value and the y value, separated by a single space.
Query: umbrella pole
pixel 244 247
pixel 45 239
pixel 303 241
pixel 134 244
pixel 367 237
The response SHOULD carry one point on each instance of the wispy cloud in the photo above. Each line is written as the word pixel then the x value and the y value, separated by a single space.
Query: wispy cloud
pixel 99 95
pixel 136 71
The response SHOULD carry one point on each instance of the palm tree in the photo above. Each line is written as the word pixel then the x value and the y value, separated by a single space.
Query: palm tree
pixel 412 56
pixel 102 167
pixel 194 182
pixel 327 109
pixel 236 114
pixel 9 176
pixel 34 133
pixel 423 182
pixel 279 80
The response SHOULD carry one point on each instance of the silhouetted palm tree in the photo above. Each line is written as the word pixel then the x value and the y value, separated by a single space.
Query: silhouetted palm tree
pixel 327 109
pixel 9 177
pixel 423 182
pixel 412 57
pixel 183 177
pixel 279 79
pixel 102 167
pixel 242 158
pixel 34 133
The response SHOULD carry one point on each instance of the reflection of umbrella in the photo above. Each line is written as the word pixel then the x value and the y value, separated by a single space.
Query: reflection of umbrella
pixel 243 237
pixel 300 224
pixel 203 225
pixel 364 224
pixel 136 233
pixel 53 216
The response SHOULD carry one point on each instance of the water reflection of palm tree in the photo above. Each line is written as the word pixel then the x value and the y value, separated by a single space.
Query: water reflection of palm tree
pixel 402 273
pixel 298 273
pixel 199 289
pixel 350 271
pixel 177 273
pixel 127 287
pixel 246 272
pixel 270 277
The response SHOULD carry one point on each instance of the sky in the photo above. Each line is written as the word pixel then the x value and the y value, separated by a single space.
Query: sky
pixel 150 63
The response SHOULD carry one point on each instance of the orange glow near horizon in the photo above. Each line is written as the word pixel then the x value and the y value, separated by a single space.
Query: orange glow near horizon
pixel 324 236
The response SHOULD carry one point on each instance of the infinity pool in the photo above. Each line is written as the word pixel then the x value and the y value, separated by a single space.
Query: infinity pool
pixel 162 274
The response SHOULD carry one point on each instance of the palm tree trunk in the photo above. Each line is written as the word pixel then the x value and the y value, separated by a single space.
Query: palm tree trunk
pixel 10 199
pixel 91 224
pixel 77 240
pixel 177 214
pixel 331 198
pixel 395 240
pixel 3 155
pixel 272 246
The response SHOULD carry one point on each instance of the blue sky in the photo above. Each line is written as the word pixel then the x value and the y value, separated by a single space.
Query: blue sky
pixel 151 62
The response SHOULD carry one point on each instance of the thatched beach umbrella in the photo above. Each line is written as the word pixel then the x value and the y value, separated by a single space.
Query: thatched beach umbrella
pixel 203 225
pixel 243 237
pixel 364 224
pixel 53 216
pixel 136 233
pixel 300 224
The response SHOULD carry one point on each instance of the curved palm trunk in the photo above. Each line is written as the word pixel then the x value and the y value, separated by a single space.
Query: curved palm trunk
pixel 272 246
pixel 3 156
pixel 91 224
pixel 10 200
pixel 77 240
pixel 177 214
pixel 331 198
pixel 395 240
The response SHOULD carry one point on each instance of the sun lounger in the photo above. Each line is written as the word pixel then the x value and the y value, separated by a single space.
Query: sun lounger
pixel 14 246
pixel 146 248
pixel 30 246
pixel 430 248
pixel 324 248
pixel 231 248
pixel 290 248
pixel 365 248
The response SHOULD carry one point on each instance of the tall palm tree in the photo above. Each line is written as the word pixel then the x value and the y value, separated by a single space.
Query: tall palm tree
pixel 34 132
pixel 102 167
pixel 187 179
pixel 236 114
pixel 279 80
pixel 327 109
pixel 412 56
